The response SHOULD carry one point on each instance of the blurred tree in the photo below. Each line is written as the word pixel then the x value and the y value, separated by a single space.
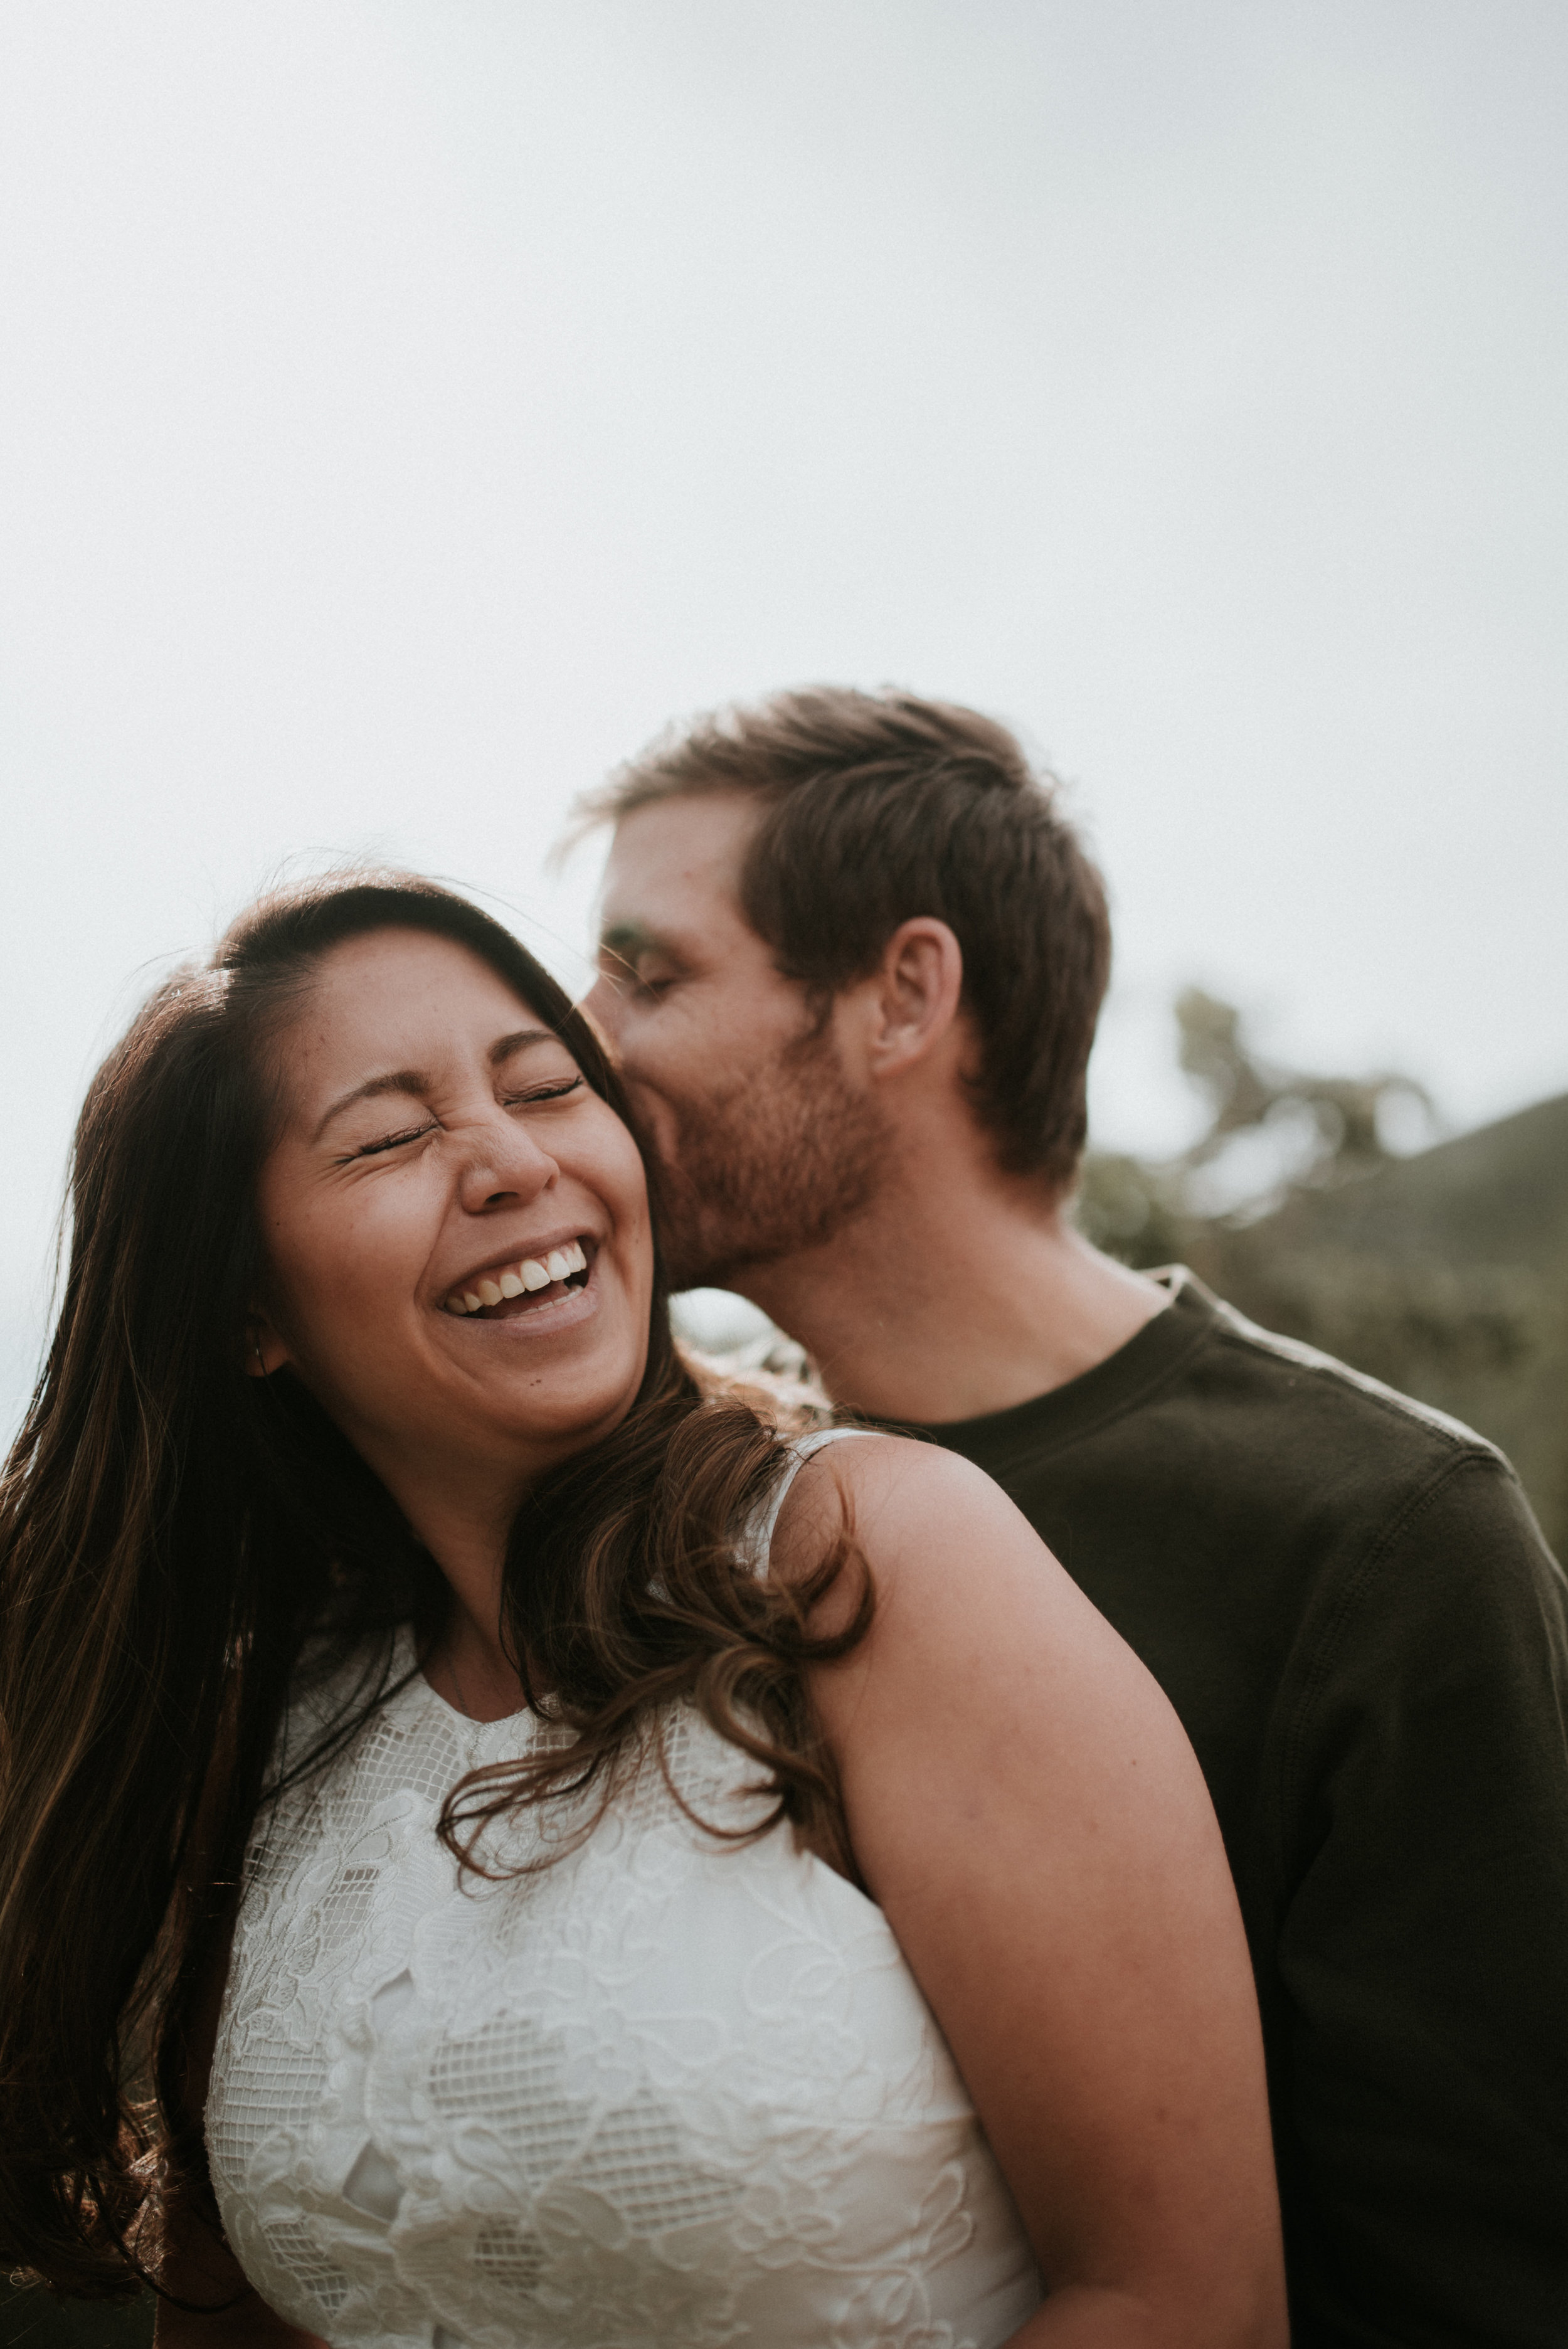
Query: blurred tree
pixel 1337 1126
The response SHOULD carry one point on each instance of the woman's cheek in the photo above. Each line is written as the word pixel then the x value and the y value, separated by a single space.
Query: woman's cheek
pixel 348 1282
pixel 379 1248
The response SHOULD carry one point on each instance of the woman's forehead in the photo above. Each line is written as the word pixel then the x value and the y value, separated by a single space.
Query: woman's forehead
pixel 394 999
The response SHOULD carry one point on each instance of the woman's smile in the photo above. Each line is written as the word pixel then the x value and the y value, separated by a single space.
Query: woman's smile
pixel 529 1284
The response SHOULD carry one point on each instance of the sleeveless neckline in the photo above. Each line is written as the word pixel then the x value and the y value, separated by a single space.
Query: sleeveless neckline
pixel 405 1646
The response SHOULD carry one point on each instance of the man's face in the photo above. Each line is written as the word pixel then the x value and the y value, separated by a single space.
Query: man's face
pixel 761 1144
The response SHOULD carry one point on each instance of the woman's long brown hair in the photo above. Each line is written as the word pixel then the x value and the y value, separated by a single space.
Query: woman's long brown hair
pixel 174 1533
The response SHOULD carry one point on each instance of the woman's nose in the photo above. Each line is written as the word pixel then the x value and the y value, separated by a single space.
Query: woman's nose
pixel 504 1162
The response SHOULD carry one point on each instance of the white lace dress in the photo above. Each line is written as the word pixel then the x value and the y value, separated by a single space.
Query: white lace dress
pixel 668 2094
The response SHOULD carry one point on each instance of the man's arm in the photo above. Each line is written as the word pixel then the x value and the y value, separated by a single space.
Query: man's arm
pixel 1423 1814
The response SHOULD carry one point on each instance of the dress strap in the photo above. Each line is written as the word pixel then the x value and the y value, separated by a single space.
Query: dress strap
pixel 760 1531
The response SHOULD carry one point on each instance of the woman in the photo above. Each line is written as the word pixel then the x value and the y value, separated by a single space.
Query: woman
pixel 590 1883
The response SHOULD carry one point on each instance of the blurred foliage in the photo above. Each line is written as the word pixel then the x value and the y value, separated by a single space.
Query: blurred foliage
pixel 1442 1271
pixel 1269 1131
pixel 1335 1127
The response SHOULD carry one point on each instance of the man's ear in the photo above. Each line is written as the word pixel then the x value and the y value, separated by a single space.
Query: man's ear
pixel 917 986
pixel 264 1351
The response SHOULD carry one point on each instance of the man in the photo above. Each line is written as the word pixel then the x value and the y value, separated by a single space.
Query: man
pixel 854 958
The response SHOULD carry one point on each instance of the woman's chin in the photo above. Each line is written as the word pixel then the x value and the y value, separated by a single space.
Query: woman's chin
pixel 567 1384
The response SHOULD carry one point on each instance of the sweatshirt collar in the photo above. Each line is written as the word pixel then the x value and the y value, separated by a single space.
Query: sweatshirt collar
pixel 1047 1421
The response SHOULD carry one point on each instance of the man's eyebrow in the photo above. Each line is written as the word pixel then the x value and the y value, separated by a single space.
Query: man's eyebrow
pixel 626 941
pixel 625 937
pixel 415 1080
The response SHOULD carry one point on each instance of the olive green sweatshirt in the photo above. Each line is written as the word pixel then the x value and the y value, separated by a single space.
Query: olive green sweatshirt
pixel 1349 1603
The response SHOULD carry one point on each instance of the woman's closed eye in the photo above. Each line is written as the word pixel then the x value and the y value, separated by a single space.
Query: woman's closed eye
pixel 557 1091
pixel 407 1133
pixel 390 1141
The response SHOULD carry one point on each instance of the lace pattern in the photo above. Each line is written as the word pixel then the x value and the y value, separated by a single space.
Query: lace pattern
pixel 667 2094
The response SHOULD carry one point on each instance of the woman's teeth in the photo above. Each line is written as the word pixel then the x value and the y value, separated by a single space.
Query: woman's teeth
pixel 517 1280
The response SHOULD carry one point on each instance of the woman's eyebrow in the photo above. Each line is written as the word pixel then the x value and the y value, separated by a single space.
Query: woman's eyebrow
pixel 395 1081
pixel 415 1080
pixel 521 1040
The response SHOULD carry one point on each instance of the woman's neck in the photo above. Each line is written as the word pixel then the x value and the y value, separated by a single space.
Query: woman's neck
pixel 469 1664
pixel 471 1671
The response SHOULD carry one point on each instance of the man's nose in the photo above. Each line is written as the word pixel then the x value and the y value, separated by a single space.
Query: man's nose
pixel 604 1003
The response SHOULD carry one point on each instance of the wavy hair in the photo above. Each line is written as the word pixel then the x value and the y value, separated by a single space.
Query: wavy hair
pixel 174 1537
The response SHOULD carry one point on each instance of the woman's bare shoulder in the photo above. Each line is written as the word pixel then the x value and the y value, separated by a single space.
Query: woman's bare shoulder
pixel 878 1471
pixel 917 1514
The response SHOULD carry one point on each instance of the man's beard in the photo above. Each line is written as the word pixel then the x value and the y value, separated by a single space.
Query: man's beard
pixel 776 1164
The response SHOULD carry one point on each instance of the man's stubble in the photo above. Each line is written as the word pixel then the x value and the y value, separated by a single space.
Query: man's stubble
pixel 760 1169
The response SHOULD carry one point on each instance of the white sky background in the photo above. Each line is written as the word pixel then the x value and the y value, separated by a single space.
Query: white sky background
pixel 405 407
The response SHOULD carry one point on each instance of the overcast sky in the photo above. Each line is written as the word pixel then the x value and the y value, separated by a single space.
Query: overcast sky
pixel 407 406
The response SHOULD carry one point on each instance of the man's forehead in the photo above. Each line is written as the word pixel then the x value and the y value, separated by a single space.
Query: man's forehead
pixel 674 862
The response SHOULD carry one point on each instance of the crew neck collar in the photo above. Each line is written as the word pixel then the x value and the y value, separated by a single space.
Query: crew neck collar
pixel 1063 1413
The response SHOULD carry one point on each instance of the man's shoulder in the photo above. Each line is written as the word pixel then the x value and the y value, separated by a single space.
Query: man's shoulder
pixel 1308 1445
pixel 1391 1430
pixel 1200 1373
pixel 1208 1432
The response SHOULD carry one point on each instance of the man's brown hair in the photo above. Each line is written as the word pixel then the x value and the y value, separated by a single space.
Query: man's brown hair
pixel 880 807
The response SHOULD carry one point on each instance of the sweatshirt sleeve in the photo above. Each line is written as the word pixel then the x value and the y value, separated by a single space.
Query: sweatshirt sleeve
pixel 1423 1817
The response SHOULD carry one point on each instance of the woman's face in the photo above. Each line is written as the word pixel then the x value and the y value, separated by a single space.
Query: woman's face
pixel 440 1153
